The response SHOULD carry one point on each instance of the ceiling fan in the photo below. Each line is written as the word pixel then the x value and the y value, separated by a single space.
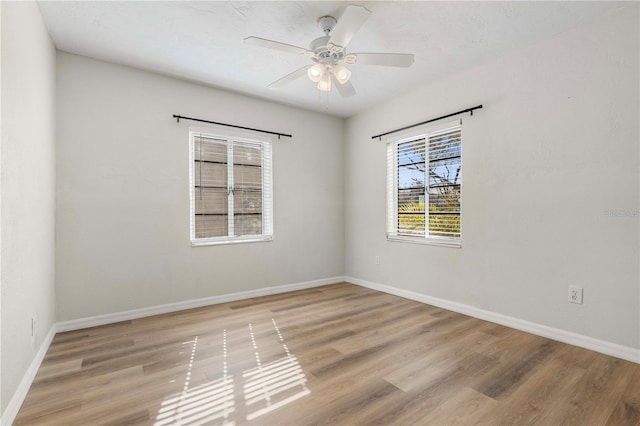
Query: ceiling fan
pixel 328 51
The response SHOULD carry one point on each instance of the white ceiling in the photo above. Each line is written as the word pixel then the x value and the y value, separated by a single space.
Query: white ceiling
pixel 203 41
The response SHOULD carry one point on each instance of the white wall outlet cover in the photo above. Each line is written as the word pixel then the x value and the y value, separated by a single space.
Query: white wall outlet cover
pixel 575 294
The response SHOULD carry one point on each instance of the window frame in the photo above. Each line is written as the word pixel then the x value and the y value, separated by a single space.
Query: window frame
pixel 392 142
pixel 231 138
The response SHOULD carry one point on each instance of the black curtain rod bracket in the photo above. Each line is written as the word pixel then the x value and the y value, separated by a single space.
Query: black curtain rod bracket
pixel 469 110
pixel 178 117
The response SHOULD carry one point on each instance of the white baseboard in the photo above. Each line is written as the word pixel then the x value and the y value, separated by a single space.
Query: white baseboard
pixel 9 414
pixel 602 346
pixel 189 304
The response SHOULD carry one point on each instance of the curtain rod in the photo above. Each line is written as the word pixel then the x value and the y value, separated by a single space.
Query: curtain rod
pixel 178 117
pixel 428 121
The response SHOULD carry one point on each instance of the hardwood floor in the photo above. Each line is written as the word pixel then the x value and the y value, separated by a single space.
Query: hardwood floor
pixel 338 354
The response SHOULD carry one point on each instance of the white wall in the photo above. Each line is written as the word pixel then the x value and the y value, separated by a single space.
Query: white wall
pixel 28 188
pixel 123 193
pixel 554 149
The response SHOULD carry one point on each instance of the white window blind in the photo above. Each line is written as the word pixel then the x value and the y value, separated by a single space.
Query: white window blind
pixel 424 177
pixel 231 194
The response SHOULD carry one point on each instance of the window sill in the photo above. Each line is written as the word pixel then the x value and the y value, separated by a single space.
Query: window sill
pixel 216 242
pixel 431 241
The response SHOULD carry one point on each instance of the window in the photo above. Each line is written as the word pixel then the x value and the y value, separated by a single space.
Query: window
pixel 423 186
pixel 231 196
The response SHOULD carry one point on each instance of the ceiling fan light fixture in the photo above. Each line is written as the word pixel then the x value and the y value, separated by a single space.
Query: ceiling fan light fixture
pixel 316 72
pixel 327 51
pixel 341 73
pixel 325 83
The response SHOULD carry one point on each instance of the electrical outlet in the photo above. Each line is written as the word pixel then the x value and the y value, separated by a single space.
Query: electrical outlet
pixel 377 260
pixel 575 294
pixel 34 325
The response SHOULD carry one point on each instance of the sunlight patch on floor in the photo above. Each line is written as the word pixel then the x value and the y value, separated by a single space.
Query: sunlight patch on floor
pixel 266 388
pixel 203 403
pixel 273 385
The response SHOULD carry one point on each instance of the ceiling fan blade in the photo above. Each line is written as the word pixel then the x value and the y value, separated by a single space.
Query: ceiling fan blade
pixel 384 59
pixel 288 78
pixel 346 90
pixel 348 24
pixel 283 47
